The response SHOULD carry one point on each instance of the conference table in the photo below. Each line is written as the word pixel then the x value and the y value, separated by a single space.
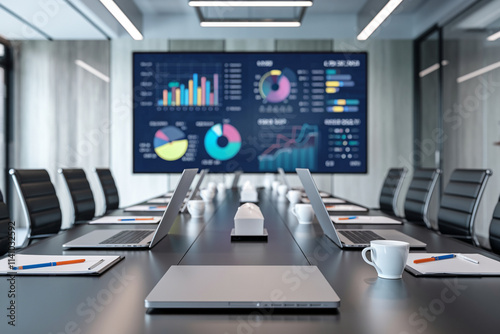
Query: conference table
pixel 114 301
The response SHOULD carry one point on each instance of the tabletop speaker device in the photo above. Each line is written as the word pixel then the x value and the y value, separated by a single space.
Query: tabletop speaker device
pixel 249 224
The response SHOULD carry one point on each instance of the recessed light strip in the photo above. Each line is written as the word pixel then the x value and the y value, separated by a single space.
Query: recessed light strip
pixel 478 72
pixel 250 24
pixel 250 3
pixel 494 37
pixel 432 68
pixel 378 19
pixel 120 16
pixel 92 70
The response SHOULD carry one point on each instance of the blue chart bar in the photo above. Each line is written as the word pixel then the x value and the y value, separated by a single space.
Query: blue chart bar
pixel 195 88
pixel 207 95
pixel 339 77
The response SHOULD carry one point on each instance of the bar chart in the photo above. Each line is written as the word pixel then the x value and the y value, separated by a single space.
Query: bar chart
pixel 194 85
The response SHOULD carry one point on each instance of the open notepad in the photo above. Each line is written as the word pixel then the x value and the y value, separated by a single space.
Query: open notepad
pixel 97 264
pixel 126 220
pixel 146 208
pixel 452 267
pixel 350 220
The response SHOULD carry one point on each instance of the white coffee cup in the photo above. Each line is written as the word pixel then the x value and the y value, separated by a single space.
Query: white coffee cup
pixel 268 180
pixel 294 196
pixel 207 195
pixel 282 190
pixel 388 257
pixel 221 188
pixel 275 185
pixel 304 213
pixel 196 208
pixel 212 186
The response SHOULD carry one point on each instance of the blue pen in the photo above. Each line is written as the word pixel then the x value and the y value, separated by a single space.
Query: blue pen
pixel 348 218
pixel 435 258
pixel 48 264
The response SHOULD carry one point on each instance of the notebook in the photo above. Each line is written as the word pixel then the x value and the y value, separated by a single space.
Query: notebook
pixel 242 287
pixel 142 239
pixel 350 238
pixel 146 208
pixel 126 220
pixel 452 267
pixel 93 265
pixel 350 220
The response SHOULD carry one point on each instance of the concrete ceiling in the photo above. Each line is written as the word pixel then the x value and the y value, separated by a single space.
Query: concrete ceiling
pixel 88 19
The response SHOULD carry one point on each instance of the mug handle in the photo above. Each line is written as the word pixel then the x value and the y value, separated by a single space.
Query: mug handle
pixel 294 212
pixel 363 254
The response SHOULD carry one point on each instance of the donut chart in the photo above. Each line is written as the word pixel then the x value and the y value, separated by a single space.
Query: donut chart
pixel 170 143
pixel 222 141
pixel 274 86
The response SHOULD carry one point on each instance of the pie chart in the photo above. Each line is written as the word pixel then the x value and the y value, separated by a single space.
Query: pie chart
pixel 170 143
pixel 274 86
pixel 222 141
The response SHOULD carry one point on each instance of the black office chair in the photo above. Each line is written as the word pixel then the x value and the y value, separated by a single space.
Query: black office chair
pixel 391 188
pixel 495 230
pixel 419 195
pixel 460 202
pixel 81 194
pixel 109 188
pixel 4 227
pixel 39 202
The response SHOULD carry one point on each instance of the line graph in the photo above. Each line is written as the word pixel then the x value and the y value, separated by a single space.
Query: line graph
pixel 300 150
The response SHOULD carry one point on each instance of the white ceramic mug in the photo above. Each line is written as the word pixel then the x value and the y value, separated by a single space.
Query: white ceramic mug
pixel 282 190
pixel 212 186
pixel 268 180
pixel 275 185
pixel 207 195
pixel 304 213
pixel 196 208
pixel 388 257
pixel 294 196
pixel 221 188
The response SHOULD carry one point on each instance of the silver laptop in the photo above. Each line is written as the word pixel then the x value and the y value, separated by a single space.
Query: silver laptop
pixel 284 178
pixel 236 179
pixel 351 238
pixel 243 287
pixel 143 239
pixel 193 193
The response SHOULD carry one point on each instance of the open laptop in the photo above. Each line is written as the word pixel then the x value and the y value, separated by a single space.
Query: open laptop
pixel 242 287
pixel 236 179
pixel 144 238
pixel 349 238
pixel 284 178
pixel 196 187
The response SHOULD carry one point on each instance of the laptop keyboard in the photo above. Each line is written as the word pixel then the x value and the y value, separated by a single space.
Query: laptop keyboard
pixel 361 236
pixel 127 237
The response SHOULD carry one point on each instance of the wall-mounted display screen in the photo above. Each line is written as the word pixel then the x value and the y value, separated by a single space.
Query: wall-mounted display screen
pixel 250 111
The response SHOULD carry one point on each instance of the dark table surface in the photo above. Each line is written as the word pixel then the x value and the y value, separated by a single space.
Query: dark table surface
pixel 114 301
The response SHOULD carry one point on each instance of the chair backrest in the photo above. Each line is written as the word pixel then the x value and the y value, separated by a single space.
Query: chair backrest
pixel 81 193
pixel 391 188
pixel 495 229
pixel 4 227
pixel 460 202
pixel 39 201
pixel 419 195
pixel 109 188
